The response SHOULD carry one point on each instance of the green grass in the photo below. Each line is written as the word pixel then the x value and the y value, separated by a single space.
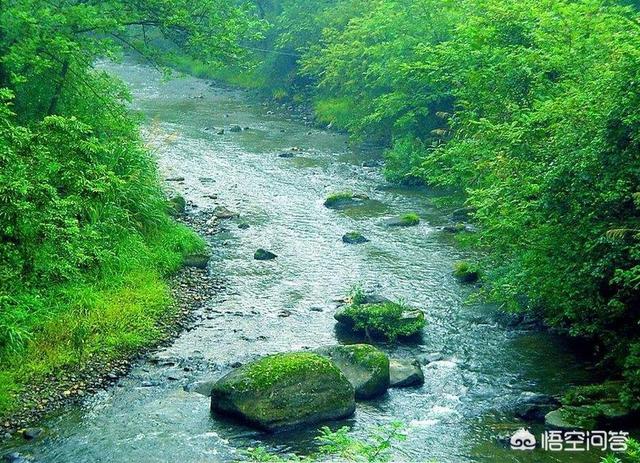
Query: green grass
pixel 466 272
pixel 410 219
pixel 336 111
pixel 110 316
pixel 384 319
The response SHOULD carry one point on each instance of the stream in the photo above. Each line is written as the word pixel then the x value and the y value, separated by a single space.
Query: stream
pixel 478 366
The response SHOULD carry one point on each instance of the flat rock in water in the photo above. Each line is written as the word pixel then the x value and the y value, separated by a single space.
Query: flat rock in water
pixel 284 391
pixel 222 212
pixel 263 254
pixel 200 387
pixel 561 420
pixel 366 367
pixel 405 373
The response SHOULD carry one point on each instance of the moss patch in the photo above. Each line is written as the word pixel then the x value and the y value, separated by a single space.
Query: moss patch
pixel 273 369
pixel 466 272
pixel 409 220
pixel 390 320
pixel 344 199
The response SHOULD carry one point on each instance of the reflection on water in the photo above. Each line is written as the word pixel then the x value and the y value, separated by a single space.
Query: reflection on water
pixel 481 368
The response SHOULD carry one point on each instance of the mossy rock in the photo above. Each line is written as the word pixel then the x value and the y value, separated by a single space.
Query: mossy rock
pixel 178 204
pixel 197 260
pixel 284 391
pixel 388 319
pixel 366 368
pixel 406 220
pixel 354 238
pixel 594 416
pixel 571 418
pixel 466 272
pixel 344 199
pixel 263 254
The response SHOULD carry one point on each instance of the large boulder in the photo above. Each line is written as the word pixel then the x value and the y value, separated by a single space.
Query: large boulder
pixel 531 406
pixel 405 373
pixel 366 368
pixel 284 391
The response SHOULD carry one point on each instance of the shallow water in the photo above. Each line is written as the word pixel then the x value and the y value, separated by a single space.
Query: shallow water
pixel 457 414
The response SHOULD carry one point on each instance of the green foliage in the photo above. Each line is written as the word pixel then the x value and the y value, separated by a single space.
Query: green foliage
pixel 379 446
pixel 585 395
pixel 384 319
pixel 466 272
pixel 85 239
pixel 632 455
pixel 530 108
pixel 410 219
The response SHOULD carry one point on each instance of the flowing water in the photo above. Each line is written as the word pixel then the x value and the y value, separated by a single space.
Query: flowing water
pixel 482 367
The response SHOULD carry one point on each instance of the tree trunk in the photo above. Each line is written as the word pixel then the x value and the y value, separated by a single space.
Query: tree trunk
pixel 53 105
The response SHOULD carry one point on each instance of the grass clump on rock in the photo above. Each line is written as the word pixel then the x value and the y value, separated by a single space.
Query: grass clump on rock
pixel 380 317
pixel 354 237
pixel 410 219
pixel 406 220
pixel 466 272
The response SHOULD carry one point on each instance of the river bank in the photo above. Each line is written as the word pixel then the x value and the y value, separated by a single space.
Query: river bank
pixel 189 288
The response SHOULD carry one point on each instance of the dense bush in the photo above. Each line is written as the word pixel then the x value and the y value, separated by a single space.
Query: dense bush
pixel 85 238
pixel 531 108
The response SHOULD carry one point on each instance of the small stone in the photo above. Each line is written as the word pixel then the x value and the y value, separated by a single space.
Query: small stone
pixel 263 254
pixel 354 238
pixel 175 179
pixel 31 433
pixel 244 226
